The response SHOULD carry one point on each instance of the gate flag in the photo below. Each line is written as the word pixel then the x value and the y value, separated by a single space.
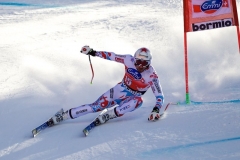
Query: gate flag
pixel 209 14
pixel 200 15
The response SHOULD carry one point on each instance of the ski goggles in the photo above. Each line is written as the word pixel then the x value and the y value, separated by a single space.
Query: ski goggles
pixel 142 62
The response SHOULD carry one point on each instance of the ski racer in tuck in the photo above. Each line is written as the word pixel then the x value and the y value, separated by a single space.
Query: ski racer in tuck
pixel 125 96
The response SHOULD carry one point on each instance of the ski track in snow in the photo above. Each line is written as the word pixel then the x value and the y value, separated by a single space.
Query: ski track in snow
pixel 18 147
pixel 42 70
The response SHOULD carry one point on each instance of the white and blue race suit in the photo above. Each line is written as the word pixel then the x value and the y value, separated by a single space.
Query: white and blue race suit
pixel 127 93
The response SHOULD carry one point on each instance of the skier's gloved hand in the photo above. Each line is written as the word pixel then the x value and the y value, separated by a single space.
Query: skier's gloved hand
pixel 88 51
pixel 154 114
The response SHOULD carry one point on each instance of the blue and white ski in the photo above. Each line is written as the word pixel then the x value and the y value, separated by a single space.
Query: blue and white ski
pixel 45 125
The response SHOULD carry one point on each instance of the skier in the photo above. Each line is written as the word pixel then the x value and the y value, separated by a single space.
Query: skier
pixel 125 96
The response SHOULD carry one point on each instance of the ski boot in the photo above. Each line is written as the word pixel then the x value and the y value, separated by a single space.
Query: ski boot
pixel 105 116
pixel 58 117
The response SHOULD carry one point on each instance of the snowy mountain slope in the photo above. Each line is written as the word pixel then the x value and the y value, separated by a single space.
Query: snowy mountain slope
pixel 42 70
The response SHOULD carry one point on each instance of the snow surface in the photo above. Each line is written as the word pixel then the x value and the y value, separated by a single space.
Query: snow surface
pixel 42 71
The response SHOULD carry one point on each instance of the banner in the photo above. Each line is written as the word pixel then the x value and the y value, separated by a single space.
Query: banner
pixel 202 15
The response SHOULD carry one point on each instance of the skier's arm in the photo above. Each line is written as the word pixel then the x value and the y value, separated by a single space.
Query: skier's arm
pixel 111 56
pixel 157 91
pixel 103 54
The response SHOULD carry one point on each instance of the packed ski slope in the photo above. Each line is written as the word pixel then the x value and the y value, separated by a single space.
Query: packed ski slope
pixel 42 71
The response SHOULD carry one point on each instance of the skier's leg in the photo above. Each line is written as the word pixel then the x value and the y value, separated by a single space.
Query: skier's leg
pixel 100 104
pixel 74 112
pixel 107 100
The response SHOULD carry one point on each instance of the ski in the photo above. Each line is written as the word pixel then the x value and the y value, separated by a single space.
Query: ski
pixel 93 124
pixel 48 123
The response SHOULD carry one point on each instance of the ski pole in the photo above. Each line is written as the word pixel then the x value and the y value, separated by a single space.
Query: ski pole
pixel 91 68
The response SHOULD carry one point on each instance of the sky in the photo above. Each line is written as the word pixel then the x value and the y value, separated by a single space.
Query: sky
pixel 42 71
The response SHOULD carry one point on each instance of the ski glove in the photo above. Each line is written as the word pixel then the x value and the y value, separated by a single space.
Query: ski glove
pixel 88 51
pixel 154 114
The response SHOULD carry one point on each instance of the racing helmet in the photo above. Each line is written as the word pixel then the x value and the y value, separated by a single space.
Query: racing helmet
pixel 143 56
